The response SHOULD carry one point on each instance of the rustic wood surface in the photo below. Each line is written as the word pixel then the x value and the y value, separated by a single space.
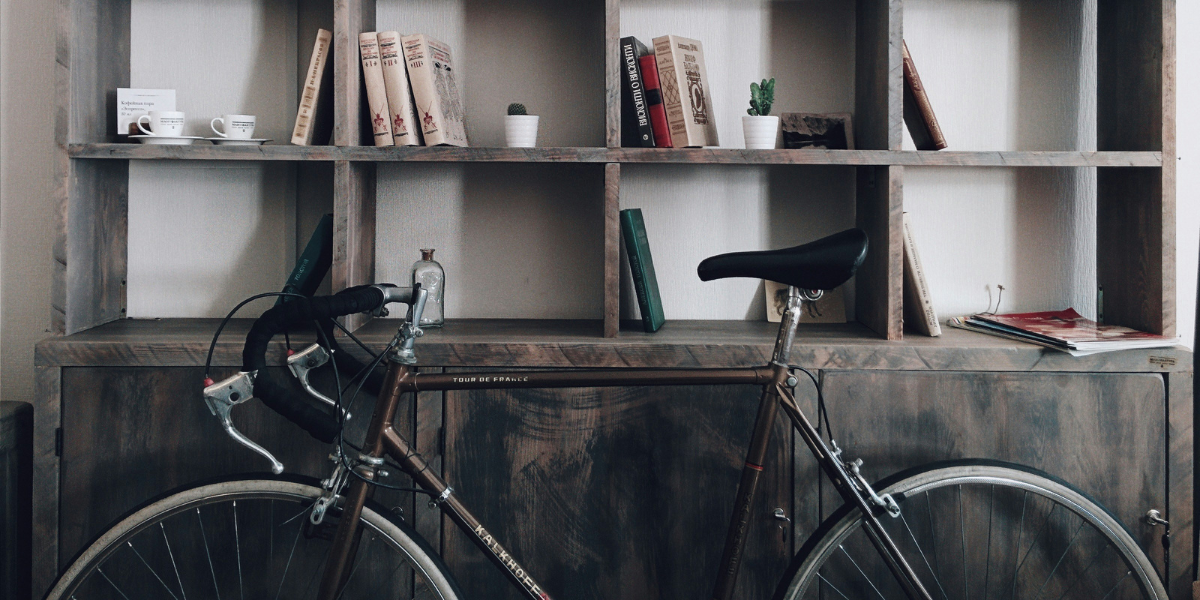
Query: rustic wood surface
pixel 1136 210
pixel 878 294
pixel 97 231
pixel 1104 433
pixel 46 421
pixel 612 73
pixel 612 250
pixel 184 342
pixel 1181 453
pixel 350 17
pixel 732 156
pixel 878 75
pixel 353 229
pixel 597 491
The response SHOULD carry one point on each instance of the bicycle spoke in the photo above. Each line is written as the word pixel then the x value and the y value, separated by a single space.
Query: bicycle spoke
pixel 1095 559
pixel 357 563
pixel 869 582
pixel 172 555
pixel 1020 534
pixel 933 537
pixel 1060 559
pixel 288 565
pixel 1031 545
pixel 962 525
pixel 110 582
pixel 152 571
pixel 833 587
pixel 922 552
pixel 1119 582
pixel 238 543
pixel 383 582
pixel 208 555
pixel 987 569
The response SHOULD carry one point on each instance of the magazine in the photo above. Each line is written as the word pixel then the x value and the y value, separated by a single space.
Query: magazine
pixel 1064 330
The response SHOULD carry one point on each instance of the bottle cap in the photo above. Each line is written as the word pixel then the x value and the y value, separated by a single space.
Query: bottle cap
pixel 426 253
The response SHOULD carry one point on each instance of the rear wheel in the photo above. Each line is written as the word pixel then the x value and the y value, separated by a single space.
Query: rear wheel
pixel 979 529
pixel 242 539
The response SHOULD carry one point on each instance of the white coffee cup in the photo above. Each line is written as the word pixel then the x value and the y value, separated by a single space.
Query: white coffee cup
pixel 163 123
pixel 237 127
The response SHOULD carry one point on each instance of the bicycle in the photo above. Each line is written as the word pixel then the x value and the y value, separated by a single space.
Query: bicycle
pixel 1065 545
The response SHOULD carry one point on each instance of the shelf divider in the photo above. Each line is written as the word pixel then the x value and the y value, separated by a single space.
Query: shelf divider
pixel 612 73
pixel 350 17
pixel 612 250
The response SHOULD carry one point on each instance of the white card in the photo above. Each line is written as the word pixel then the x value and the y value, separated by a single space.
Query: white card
pixel 133 103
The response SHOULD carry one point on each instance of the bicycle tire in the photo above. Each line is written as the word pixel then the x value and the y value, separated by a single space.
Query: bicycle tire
pixel 814 572
pixel 428 577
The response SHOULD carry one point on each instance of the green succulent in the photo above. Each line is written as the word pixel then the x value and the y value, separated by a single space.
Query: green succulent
pixel 761 98
pixel 516 108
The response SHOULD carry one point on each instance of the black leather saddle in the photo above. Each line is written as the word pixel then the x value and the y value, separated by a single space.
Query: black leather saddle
pixel 820 265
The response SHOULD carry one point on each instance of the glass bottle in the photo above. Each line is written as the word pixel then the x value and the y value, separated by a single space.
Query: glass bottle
pixel 432 278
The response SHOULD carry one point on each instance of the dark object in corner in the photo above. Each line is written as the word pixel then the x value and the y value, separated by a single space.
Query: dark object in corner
pixel 829 131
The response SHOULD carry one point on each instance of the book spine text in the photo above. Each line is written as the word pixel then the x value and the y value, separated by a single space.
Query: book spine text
pixel 302 133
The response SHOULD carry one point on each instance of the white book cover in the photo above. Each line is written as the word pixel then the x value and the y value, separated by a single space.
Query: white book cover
pixel 381 116
pixel 686 94
pixel 918 305
pixel 302 133
pixel 135 102
pixel 439 104
pixel 405 129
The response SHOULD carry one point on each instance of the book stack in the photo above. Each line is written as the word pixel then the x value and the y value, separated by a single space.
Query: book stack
pixel 665 95
pixel 412 94
pixel 1063 330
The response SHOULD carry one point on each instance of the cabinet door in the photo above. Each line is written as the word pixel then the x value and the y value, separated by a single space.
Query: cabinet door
pixel 1105 433
pixel 613 493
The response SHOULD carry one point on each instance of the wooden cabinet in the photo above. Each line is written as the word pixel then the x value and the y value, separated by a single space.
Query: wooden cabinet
pixel 626 492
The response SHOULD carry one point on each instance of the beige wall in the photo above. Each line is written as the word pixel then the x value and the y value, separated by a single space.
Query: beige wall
pixel 26 148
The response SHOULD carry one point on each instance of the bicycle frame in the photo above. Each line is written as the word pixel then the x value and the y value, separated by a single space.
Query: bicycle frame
pixel 775 378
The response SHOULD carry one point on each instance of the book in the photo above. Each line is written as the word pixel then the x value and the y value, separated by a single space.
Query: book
pixel 314 262
pixel 918 304
pixel 381 116
pixel 830 308
pixel 636 131
pixel 133 103
pixel 918 112
pixel 405 131
pixel 1064 330
pixel 654 102
pixel 684 83
pixel 641 264
pixel 312 116
pixel 439 105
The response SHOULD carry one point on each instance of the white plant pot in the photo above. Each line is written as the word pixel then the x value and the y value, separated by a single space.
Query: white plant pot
pixel 760 132
pixel 520 131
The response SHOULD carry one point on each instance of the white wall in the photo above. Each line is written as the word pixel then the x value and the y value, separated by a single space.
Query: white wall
pixel 26 149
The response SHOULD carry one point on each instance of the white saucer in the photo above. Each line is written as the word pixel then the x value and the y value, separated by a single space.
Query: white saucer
pixel 166 140
pixel 220 141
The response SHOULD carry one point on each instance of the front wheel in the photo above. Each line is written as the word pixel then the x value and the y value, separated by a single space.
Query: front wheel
pixel 979 529
pixel 249 538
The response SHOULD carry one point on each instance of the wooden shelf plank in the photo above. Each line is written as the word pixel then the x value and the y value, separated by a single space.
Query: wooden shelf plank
pixel 541 343
pixel 720 156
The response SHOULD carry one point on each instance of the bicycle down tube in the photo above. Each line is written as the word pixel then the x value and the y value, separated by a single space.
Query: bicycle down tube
pixel 775 379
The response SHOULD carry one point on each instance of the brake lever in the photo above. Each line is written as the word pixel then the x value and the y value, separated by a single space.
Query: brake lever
pixel 222 396
pixel 301 363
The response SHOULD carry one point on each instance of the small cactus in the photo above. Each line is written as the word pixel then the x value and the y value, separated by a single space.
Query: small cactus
pixel 761 98
pixel 517 108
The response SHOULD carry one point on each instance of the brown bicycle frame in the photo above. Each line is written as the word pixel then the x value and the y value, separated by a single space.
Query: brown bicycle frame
pixel 775 379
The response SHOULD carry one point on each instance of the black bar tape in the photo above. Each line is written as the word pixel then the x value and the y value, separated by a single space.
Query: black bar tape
pixel 279 391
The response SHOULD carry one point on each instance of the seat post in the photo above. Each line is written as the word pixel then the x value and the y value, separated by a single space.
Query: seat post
pixel 790 322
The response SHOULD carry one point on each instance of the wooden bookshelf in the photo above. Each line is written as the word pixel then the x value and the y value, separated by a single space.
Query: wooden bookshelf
pixel 686 156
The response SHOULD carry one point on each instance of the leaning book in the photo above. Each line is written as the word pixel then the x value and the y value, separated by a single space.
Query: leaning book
pixel 1064 330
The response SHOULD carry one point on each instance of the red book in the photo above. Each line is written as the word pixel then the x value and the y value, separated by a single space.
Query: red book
pixel 658 114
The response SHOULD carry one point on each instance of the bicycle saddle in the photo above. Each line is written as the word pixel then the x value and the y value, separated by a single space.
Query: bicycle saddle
pixel 820 265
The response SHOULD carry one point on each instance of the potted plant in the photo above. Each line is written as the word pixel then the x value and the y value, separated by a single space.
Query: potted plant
pixel 760 128
pixel 520 128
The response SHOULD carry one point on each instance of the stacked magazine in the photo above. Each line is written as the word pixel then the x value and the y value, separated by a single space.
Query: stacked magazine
pixel 1063 330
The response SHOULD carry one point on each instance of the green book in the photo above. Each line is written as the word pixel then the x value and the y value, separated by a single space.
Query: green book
pixel 314 262
pixel 637 246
